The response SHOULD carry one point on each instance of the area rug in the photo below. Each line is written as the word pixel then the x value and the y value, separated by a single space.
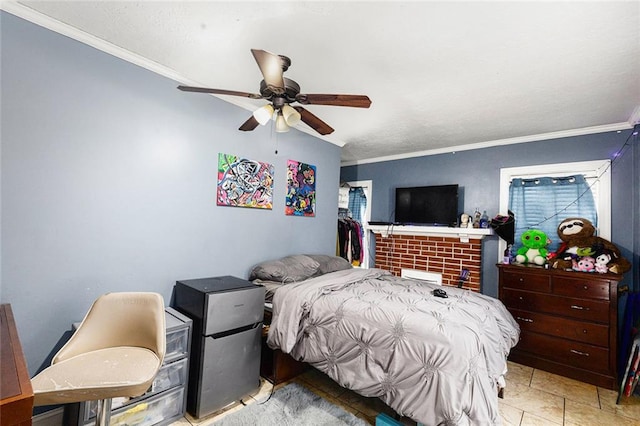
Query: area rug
pixel 291 405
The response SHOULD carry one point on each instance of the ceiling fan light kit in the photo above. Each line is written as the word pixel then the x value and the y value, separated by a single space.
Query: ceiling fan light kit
pixel 281 92
pixel 291 116
pixel 263 114
pixel 281 124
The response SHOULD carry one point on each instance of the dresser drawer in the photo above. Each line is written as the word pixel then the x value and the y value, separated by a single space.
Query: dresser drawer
pixel 524 281
pixel 581 331
pixel 580 355
pixel 582 309
pixel 581 288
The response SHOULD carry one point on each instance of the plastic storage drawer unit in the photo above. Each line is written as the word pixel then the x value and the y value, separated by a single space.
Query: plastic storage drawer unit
pixel 165 401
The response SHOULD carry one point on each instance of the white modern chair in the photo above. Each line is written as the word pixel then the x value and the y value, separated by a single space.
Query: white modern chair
pixel 115 352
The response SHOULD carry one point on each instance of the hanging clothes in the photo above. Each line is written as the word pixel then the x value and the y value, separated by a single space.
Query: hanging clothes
pixel 357 203
pixel 350 234
pixel 350 244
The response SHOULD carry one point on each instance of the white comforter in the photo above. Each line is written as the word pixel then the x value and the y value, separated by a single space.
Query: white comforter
pixel 435 360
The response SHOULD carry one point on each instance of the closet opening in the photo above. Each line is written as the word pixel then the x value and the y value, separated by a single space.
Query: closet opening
pixel 354 213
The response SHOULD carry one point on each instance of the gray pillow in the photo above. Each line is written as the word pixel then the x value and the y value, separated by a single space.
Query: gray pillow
pixel 288 269
pixel 330 263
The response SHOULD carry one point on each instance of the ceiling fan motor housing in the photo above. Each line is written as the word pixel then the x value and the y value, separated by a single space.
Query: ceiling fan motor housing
pixel 291 89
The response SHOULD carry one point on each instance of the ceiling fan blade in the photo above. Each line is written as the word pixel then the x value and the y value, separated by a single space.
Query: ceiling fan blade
pixel 272 67
pixel 314 122
pixel 219 92
pixel 249 125
pixel 357 101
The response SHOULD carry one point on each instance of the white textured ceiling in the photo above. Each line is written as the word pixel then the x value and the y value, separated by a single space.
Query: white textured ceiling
pixel 442 76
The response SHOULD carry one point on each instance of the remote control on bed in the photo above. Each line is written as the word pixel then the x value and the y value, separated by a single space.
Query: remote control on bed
pixel 438 292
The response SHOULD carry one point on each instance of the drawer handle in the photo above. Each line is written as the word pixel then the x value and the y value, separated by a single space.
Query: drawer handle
pixel 586 287
pixel 579 353
pixel 524 319
pixel 580 308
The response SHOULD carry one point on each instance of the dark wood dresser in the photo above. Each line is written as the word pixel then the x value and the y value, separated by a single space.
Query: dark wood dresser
pixel 275 365
pixel 16 392
pixel 568 321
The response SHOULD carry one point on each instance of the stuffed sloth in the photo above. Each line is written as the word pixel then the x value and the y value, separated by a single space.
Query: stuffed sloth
pixel 578 241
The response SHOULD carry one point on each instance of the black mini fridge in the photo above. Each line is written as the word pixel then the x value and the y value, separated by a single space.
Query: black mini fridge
pixel 227 315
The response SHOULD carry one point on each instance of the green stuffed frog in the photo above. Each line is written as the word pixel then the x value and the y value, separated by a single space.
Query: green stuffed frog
pixel 533 248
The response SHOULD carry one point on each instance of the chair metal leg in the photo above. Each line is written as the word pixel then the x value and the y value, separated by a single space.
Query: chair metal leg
pixel 103 416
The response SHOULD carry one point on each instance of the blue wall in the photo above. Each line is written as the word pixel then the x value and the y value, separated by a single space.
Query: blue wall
pixel 109 178
pixel 478 174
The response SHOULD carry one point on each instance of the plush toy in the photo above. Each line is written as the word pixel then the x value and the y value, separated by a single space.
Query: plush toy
pixel 585 264
pixel 601 263
pixel 578 241
pixel 533 248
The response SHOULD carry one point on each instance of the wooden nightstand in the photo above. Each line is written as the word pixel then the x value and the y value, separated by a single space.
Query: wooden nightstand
pixel 275 365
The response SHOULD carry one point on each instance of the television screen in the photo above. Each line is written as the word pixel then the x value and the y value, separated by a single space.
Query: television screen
pixel 427 205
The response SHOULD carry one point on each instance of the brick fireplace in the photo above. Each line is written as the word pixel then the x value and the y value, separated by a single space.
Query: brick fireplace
pixel 445 254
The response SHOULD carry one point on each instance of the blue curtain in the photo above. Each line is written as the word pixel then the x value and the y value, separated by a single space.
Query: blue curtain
pixel 542 203
pixel 357 203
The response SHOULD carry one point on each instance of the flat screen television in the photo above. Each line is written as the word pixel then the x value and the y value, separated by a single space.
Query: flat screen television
pixel 427 205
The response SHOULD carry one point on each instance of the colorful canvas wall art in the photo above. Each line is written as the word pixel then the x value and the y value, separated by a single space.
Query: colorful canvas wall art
pixel 244 183
pixel 301 189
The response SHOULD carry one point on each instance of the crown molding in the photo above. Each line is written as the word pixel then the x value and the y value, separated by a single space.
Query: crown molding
pixel 498 142
pixel 635 117
pixel 49 23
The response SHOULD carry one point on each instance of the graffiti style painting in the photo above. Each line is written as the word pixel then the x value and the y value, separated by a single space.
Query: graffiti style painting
pixel 244 183
pixel 301 189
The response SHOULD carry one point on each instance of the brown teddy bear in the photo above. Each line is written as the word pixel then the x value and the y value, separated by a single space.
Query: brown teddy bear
pixel 578 241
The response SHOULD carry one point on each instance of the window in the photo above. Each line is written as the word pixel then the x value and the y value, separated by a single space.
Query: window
pixel 544 202
pixel 597 175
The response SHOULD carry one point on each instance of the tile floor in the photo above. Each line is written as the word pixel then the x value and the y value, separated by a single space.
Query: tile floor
pixel 532 397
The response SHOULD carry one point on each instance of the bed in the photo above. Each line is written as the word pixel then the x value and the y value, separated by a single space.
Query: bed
pixel 435 360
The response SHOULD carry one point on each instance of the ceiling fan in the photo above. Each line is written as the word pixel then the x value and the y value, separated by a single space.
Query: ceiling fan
pixel 281 92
